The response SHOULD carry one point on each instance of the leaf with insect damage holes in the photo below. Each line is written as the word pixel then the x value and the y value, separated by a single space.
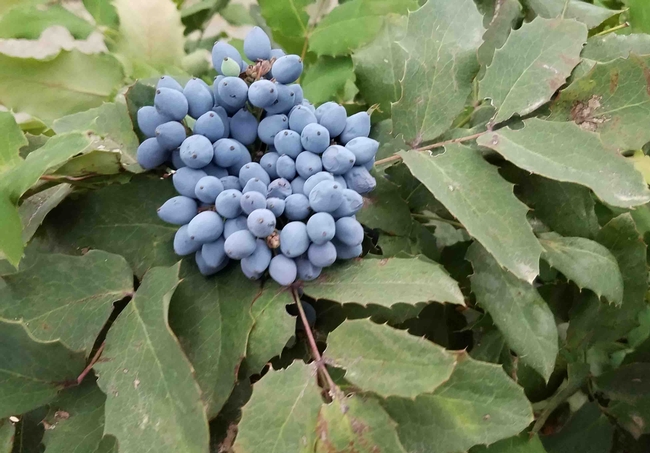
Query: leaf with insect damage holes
pixel 380 359
pixel 566 152
pixel 32 372
pixel 67 298
pixel 517 309
pixel 442 40
pixel 282 413
pixel 356 424
pixel 499 23
pixel 613 99
pixel 535 61
pixel 386 282
pixel 587 263
pixel 479 404
pixel 591 15
pixel 152 400
pixel 474 192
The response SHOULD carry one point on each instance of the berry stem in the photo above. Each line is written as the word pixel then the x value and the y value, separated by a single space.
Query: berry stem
pixel 318 359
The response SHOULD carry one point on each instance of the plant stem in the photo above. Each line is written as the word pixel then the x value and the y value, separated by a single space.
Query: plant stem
pixel 613 29
pixel 92 363
pixel 566 6
pixel 67 178
pixel 395 157
pixel 318 359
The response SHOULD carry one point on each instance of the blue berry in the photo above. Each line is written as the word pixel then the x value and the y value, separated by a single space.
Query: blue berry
pixel 253 170
pixel 270 126
pixel 363 148
pixel 243 127
pixel 315 138
pixel 352 203
pixel 287 69
pixel 211 126
pixel 338 160
pixel 199 98
pixel 170 135
pixel 321 228
pixel 285 167
pixel 240 244
pixel 279 188
pixel 262 93
pixel 322 255
pixel 360 180
pixel 326 196
pixel 308 164
pixel 197 151
pixel 251 201
pixel 357 125
pixel 214 253
pixel 296 207
pixel 208 189
pixel 255 185
pixel 315 179
pixel 349 231
pixel 150 154
pixel 233 91
pixel 206 226
pixel 231 182
pixel 294 240
pixel 306 270
pixel 169 82
pixel 268 163
pixel 228 203
pixel 222 50
pixel 261 222
pixel 185 180
pixel 171 103
pixel 275 205
pixel 183 244
pixel 178 210
pixel 300 117
pixel 232 225
pixel 288 142
pixel 257 45
pixel 149 119
pixel 283 270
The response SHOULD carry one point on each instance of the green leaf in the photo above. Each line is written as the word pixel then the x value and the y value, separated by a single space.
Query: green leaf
pixel 11 243
pixel 196 15
pixel 151 35
pixel 442 40
pixel 500 24
pixel 588 430
pixel 639 15
pixel 520 444
pixel 384 209
pixel 356 424
pixel 281 415
pixel 153 402
pixel 607 48
pixel 587 263
pixel 629 391
pixel 534 62
pixel 12 140
pixel 386 282
pixel 381 359
pixel 517 309
pixel 642 164
pixel 67 297
pixel 289 22
pixel 110 121
pixel 66 83
pixel 31 371
pixel 541 147
pixel 120 219
pixel 483 202
pixel 332 36
pixel 28 22
pixel 34 209
pixel 564 207
pixel 103 12
pixel 7 431
pixel 94 163
pixel 212 319
pixel 592 321
pixel 237 15
pixel 273 326
pixel 75 421
pixel 479 404
pixel 590 15
pixel 326 79
pixel 380 66
pixel 612 100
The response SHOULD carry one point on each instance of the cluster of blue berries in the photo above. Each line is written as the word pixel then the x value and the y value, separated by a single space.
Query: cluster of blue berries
pixel 263 176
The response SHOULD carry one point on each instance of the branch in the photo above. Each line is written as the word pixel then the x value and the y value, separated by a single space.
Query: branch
pixel 318 359
pixel 66 178
pixel 92 363
pixel 396 157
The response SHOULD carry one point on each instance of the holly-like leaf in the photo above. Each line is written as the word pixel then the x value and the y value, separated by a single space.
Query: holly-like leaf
pixel 34 209
pixel 332 35
pixel 386 282
pixel 11 243
pixel 326 79
pixel 499 25
pixel 67 297
pixel 593 321
pixel 629 392
pixel 212 319
pixel 281 415
pixel 110 121
pixel 380 359
pixel 604 49
pixel 472 190
pixel 356 424
pixel 103 12
pixel 442 40
pixel 147 379
pixel 566 152
pixel 384 209
pixel 587 430
pixel 12 140
pixel 517 309
pixel 534 62
pixel 120 219
pixel 380 66
pixel 31 371
pixel 612 100
pixel 151 35
pixel 590 15
pixel 66 83
pixel 7 431
pixel 29 21
pixel 289 22
pixel 520 444
pixel 587 263
pixel 273 326
pixel 479 404
pixel 75 421
pixel 564 207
